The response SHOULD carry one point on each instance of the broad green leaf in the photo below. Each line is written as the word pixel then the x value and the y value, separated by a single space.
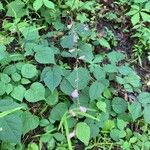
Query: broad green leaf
pixel 80 76
pixel 125 70
pixel 45 56
pixel 145 16
pixel 97 88
pixel 119 105
pixel 58 111
pixel 82 30
pixel 83 132
pixel 33 146
pixel 35 93
pixel 67 41
pixel 2 88
pixel 37 4
pixel 101 105
pixel 135 19
pixel 85 50
pixel 108 125
pixel 121 124
pixel 28 71
pixel 2 52
pixel 114 134
pixel 18 92
pixel 30 121
pixel 11 128
pixel 53 78
pixel 110 68
pixel 49 4
pixel 115 57
pixel 66 87
pixel 30 33
pixel 99 73
pixel 16 9
pixel 135 110
pixel 146 113
pixel 7 104
pixel 103 42
pixel 16 77
pixel 9 88
pixel 5 78
pixel 51 98
pixel 144 98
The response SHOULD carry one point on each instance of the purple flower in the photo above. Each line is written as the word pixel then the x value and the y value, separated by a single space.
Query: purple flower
pixel 83 109
pixel 75 94
pixel 72 134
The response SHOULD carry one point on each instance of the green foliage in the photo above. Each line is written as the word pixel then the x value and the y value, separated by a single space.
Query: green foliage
pixel 64 82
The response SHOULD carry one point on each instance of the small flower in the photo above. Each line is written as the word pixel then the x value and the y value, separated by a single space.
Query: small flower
pixel 82 57
pixel 72 50
pixel 86 28
pixel 75 94
pixel 76 80
pixel 72 134
pixel 72 113
pixel 83 109
pixel 75 38
pixel 69 26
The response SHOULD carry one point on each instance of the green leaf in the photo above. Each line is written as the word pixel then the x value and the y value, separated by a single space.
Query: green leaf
pixel 145 16
pixel 121 124
pixel 135 19
pixel 144 98
pixel 67 41
pixel 18 92
pixel 2 52
pixel 16 77
pixel 108 125
pixel 30 121
pixel 110 68
pixel 66 87
pixel 49 4
pixel 4 78
pixel 135 110
pixel 119 105
pixel 30 33
pixel 115 57
pixel 52 78
pixel 11 129
pixel 28 71
pixel 99 73
pixel 37 4
pixel 83 132
pixel 101 105
pixel 16 9
pixel 58 111
pixel 45 56
pixel 83 78
pixel 103 42
pixel 97 88
pixel 115 134
pixel 51 98
pixel 146 113
pixel 35 93
pixel 2 88
pixel 86 50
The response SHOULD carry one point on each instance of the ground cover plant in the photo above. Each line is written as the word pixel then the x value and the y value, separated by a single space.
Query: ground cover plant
pixel 74 75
